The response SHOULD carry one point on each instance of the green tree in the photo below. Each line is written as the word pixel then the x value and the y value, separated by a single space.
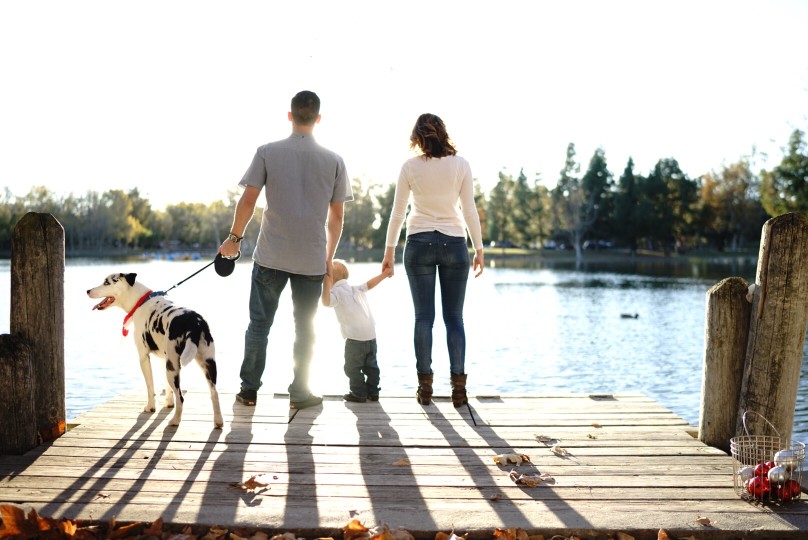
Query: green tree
pixel 598 183
pixel 667 210
pixel 625 219
pixel 500 208
pixel 730 209
pixel 578 201
pixel 360 214
pixel 784 189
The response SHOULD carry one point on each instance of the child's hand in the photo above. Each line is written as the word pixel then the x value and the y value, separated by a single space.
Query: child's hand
pixel 387 272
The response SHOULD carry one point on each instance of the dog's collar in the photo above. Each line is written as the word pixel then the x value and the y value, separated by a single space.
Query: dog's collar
pixel 139 303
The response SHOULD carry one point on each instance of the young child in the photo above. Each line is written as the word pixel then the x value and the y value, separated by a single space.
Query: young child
pixel 358 329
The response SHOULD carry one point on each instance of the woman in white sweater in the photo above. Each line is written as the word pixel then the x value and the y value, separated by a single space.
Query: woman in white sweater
pixel 438 186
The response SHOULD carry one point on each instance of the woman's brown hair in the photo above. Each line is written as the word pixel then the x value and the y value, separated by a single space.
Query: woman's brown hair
pixel 429 135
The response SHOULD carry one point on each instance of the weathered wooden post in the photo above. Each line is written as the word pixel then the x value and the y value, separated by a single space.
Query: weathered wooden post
pixel 726 331
pixel 776 327
pixel 17 428
pixel 37 314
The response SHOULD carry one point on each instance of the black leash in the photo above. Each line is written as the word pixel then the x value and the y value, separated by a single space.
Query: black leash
pixel 189 277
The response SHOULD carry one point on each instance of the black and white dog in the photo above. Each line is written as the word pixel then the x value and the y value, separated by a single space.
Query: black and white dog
pixel 172 333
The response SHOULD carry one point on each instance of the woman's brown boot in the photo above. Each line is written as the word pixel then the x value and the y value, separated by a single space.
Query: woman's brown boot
pixel 459 397
pixel 424 392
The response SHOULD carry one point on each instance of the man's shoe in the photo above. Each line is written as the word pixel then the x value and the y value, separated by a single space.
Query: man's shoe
pixel 373 398
pixel 310 401
pixel 247 397
pixel 353 398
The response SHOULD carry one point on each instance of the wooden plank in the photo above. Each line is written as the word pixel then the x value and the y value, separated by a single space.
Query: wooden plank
pixel 422 468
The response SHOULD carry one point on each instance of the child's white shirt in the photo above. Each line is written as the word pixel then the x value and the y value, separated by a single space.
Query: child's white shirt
pixel 352 310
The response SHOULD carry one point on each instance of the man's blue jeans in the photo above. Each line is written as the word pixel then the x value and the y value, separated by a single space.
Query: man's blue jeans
pixel 265 292
pixel 428 256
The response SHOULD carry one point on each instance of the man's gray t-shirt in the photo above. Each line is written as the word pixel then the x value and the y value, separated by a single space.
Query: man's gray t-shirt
pixel 300 179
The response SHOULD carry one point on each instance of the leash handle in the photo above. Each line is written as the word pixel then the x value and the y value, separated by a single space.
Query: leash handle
pixel 189 277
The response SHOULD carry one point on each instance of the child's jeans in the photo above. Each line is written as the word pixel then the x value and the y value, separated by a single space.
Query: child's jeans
pixel 361 368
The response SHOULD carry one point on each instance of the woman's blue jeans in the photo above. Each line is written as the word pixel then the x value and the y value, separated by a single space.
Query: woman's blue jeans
pixel 265 293
pixel 431 257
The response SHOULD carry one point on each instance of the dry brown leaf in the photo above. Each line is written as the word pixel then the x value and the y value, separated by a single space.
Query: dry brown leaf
pixel 557 450
pixel 259 535
pixel 510 534
pixel 704 521
pixel 284 536
pixel 250 485
pixel 663 535
pixel 398 534
pixel 440 535
pixel 401 534
pixel 525 479
pixel 355 529
pixel 125 530
pixel 624 536
pixel 156 528
pixel 494 497
pixel 516 459
pixel 402 462
pixel 596 425
pixel 545 438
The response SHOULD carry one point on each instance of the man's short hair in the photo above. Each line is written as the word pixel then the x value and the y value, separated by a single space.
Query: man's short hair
pixel 305 108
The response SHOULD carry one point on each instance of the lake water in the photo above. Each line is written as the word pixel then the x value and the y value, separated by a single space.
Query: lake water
pixel 544 328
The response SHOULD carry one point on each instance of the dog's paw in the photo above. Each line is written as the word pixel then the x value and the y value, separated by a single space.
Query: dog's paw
pixel 149 409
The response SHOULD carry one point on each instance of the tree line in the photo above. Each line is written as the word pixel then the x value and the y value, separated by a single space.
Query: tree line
pixel 662 210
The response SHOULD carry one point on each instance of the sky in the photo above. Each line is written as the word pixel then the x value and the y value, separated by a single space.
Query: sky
pixel 174 97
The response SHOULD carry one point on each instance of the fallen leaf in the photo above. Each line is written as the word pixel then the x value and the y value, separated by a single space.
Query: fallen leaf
pixel 259 535
pixel 526 480
pixel 284 536
pixel 156 528
pixel 545 438
pixel 596 425
pixel 402 462
pixel 516 459
pixel 355 529
pixel 126 530
pixel 703 521
pixel 251 484
pixel 511 534
pixel 494 497
pixel 663 535
pixel 557 450
pixel 624 536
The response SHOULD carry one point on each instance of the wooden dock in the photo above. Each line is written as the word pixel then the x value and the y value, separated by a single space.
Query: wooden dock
pixel 610 463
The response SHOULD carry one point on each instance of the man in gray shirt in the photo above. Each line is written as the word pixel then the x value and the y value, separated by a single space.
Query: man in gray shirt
pixel 306 187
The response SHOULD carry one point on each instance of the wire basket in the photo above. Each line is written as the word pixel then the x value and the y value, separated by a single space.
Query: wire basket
pixel 767 469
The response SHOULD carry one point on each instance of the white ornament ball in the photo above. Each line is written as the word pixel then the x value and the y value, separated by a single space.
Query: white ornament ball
pixel 779 474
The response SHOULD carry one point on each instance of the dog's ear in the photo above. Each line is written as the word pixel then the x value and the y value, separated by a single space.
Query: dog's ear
pixel 130 279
